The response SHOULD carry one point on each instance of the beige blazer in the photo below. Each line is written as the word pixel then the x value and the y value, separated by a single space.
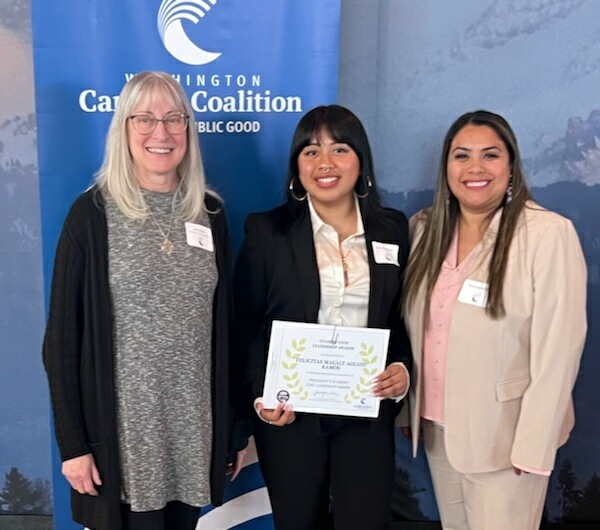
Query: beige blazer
pixel 509 381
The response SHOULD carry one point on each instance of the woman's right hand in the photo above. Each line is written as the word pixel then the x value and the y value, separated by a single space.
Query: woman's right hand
pixel 279 416
pixel 82 474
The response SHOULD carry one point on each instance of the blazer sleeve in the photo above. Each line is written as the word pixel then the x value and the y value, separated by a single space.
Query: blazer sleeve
pixel 558 329
pixel 62 342
pixel 399 350
pixel 250 299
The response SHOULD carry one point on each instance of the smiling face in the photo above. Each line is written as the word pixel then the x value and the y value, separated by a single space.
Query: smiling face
pixel 156 155
pixel 478 169
pixel 328 170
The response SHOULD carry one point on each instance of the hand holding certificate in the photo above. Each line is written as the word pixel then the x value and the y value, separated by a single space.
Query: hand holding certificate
pixel 324 369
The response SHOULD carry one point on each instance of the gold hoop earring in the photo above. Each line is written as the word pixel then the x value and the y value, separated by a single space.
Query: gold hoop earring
pixel 369 186
pixel 293 194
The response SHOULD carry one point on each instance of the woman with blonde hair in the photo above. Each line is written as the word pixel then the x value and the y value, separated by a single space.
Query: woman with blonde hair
pixel 495 309
pixel 136 348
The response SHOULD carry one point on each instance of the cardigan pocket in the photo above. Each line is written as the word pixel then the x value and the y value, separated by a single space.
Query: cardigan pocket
pixel 512 389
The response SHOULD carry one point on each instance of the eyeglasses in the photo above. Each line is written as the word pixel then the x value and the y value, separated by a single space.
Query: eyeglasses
pixel 175 123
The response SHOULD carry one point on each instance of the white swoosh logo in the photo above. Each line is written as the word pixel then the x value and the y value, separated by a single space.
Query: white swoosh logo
pixel 176 41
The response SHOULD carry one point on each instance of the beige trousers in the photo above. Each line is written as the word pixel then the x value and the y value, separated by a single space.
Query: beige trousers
pixel 500 500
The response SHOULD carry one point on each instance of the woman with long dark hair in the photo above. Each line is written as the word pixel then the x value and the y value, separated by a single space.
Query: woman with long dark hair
pixel 495 309
pixel 317 259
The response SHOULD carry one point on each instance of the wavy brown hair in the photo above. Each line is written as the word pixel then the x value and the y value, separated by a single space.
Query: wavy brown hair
pixel 441 217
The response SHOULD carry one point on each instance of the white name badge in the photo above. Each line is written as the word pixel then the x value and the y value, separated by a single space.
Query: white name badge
pixel 199 236
pixel 474 293
pixel 386 253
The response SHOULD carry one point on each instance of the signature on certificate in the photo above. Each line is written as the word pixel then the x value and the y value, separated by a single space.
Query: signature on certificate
pixel 322 394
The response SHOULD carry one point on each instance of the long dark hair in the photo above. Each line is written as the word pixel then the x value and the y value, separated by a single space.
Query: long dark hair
pixel 440 219
pixel 344 127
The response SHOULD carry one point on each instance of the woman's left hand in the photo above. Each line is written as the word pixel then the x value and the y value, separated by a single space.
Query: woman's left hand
pixel 391 383
pixel 280 416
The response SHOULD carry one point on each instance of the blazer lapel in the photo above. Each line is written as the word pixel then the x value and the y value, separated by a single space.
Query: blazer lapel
pixel 303 247
pixel 377 287
pixel 377 276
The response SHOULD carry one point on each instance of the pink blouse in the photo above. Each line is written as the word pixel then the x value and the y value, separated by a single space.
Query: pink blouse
pixel 435 336
pixel 435 339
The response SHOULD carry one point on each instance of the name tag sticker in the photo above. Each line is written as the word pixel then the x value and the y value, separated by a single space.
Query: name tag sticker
pixel 386 253
pixel 199 236
pixel 474 293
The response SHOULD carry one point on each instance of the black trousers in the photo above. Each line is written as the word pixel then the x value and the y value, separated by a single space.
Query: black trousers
pixel 174 516
pixel 327 473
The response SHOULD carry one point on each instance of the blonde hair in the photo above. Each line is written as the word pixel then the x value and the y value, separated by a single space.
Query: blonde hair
pixel 440 220
pixel 116 176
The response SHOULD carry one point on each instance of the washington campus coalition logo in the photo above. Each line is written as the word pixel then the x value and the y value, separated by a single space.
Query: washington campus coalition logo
pixel 178 44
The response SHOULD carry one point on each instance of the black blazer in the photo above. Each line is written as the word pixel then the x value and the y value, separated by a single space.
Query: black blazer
pixel 276 278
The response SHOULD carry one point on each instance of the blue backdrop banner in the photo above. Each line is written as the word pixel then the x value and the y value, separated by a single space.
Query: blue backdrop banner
pixel 250 67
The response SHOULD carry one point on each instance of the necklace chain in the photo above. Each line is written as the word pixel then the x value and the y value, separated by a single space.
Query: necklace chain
pixel 167 245
pixel 345 267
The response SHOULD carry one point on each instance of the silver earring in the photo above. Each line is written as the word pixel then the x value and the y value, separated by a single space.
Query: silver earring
pixel 509 191
pixel 369 186
pixel 293 194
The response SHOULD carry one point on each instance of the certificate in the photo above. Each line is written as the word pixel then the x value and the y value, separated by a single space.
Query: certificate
pixel 324 369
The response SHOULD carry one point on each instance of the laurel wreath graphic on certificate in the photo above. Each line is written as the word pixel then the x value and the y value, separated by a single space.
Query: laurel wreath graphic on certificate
pixel 294 383
pixel 324 369
pixel 364 384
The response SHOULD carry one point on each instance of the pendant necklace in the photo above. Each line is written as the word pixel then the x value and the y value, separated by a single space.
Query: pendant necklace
pixel 167 245
pixel 345 265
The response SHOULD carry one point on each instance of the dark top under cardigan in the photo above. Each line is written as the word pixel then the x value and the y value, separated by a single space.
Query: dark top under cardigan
pixel 78 355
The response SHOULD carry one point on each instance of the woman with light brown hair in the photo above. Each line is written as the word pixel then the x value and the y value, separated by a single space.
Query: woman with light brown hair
pixel 495 293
